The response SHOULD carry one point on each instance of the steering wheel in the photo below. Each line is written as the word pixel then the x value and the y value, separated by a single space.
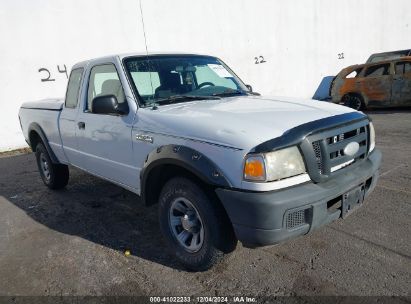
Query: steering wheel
pixel 207 83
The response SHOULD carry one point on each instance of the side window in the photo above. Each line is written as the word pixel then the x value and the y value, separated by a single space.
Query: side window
pixel 354 73
pixel 407 68
pixel 73 88
pixel 399 68
pixel 378 70
pixel 403 67
pixel 104 80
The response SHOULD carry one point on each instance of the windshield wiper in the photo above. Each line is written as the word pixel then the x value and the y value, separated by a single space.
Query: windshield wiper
pixel 180 98
pixel 229 93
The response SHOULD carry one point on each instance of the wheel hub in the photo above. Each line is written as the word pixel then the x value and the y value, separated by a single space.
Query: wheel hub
pixel 190 223
pixel 186 224
pixel 45 166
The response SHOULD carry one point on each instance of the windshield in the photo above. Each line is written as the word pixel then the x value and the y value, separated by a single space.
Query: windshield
pixel 165 79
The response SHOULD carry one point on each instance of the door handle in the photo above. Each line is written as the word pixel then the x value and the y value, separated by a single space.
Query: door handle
pixel 81 125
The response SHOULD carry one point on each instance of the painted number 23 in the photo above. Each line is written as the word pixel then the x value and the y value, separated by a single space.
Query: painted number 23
pixel 259 59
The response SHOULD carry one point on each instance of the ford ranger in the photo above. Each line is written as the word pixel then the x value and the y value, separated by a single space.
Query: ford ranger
pixel 222 162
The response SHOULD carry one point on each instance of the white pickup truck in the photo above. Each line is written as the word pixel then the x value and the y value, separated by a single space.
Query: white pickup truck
pixel 222 163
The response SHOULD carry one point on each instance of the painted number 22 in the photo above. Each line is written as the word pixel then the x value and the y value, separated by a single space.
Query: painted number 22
pixel 259 59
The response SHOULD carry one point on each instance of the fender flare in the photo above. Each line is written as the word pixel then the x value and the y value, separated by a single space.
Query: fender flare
pixel 187 158
pixel 36 128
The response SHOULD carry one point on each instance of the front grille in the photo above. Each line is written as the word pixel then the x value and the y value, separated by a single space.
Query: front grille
pixel 345 137
pixel 295 219
pixel 324 151
pixel 318 156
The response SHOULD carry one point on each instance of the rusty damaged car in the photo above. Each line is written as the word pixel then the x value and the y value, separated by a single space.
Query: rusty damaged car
pixel 373 85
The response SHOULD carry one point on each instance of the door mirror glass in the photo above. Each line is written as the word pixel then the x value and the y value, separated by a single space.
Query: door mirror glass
pixel 250 88
pixel 106 104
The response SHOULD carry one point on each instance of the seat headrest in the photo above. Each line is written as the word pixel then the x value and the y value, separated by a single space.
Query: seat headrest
pixel 110 86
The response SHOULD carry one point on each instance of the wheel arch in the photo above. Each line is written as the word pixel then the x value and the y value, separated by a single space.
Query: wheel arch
pixel 37 135
pixel 168 161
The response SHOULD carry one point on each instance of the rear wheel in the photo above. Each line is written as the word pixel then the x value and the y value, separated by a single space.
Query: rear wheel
pixel 54 176
pixel 195 227
pixel 354 101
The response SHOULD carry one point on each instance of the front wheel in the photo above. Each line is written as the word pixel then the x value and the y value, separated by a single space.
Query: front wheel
pixel 353 101
pixel 54 176
pixel 195 227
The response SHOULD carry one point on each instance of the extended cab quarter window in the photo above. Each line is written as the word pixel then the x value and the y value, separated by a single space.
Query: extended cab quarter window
pixel 73 88
pixel 378 70
pixel 103 81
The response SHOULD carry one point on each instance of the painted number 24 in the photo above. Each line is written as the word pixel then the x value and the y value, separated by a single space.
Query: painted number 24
pixel 340 56
pixel 47 74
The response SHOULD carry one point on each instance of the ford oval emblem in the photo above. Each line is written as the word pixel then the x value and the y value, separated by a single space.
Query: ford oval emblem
pixel 352 148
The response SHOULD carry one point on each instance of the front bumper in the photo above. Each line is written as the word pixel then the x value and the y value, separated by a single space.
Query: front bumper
pixel 262 218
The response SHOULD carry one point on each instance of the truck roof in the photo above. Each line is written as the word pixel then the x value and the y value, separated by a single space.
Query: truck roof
pixel 124 55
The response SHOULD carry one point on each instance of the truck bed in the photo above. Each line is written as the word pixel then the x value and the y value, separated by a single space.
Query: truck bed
pixel 45 115
pixel 45 104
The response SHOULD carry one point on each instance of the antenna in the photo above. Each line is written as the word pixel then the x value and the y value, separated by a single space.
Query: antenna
pixel 145 42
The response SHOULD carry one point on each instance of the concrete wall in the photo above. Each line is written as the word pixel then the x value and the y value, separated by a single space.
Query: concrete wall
pixel 301 41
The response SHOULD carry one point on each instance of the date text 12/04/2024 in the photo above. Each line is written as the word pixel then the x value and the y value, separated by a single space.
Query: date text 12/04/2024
pixel 203 299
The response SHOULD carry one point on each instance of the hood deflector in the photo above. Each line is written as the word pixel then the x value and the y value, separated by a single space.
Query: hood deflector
pixel 296 135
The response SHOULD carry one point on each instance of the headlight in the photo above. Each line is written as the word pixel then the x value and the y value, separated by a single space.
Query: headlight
pixel 372 137
pixel 274 165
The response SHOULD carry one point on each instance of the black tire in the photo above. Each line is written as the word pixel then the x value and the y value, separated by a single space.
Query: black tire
pixel 354 101
pixel 54 176
pixel 218 237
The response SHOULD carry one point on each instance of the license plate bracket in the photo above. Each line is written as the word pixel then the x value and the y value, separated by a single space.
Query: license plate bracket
pixel 351 200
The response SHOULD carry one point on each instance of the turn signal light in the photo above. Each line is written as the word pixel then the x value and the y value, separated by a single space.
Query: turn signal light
pixel 254 168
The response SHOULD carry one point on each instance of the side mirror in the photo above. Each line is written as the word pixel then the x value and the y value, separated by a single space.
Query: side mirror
pixel 106 104
pixel 250 88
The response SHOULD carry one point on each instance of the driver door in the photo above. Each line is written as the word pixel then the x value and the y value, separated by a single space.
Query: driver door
pixel 104 141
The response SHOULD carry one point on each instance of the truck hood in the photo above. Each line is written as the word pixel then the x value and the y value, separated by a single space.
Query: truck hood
pixel 241 122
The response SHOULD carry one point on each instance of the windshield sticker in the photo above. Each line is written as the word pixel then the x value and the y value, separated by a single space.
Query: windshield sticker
pixel 220 70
